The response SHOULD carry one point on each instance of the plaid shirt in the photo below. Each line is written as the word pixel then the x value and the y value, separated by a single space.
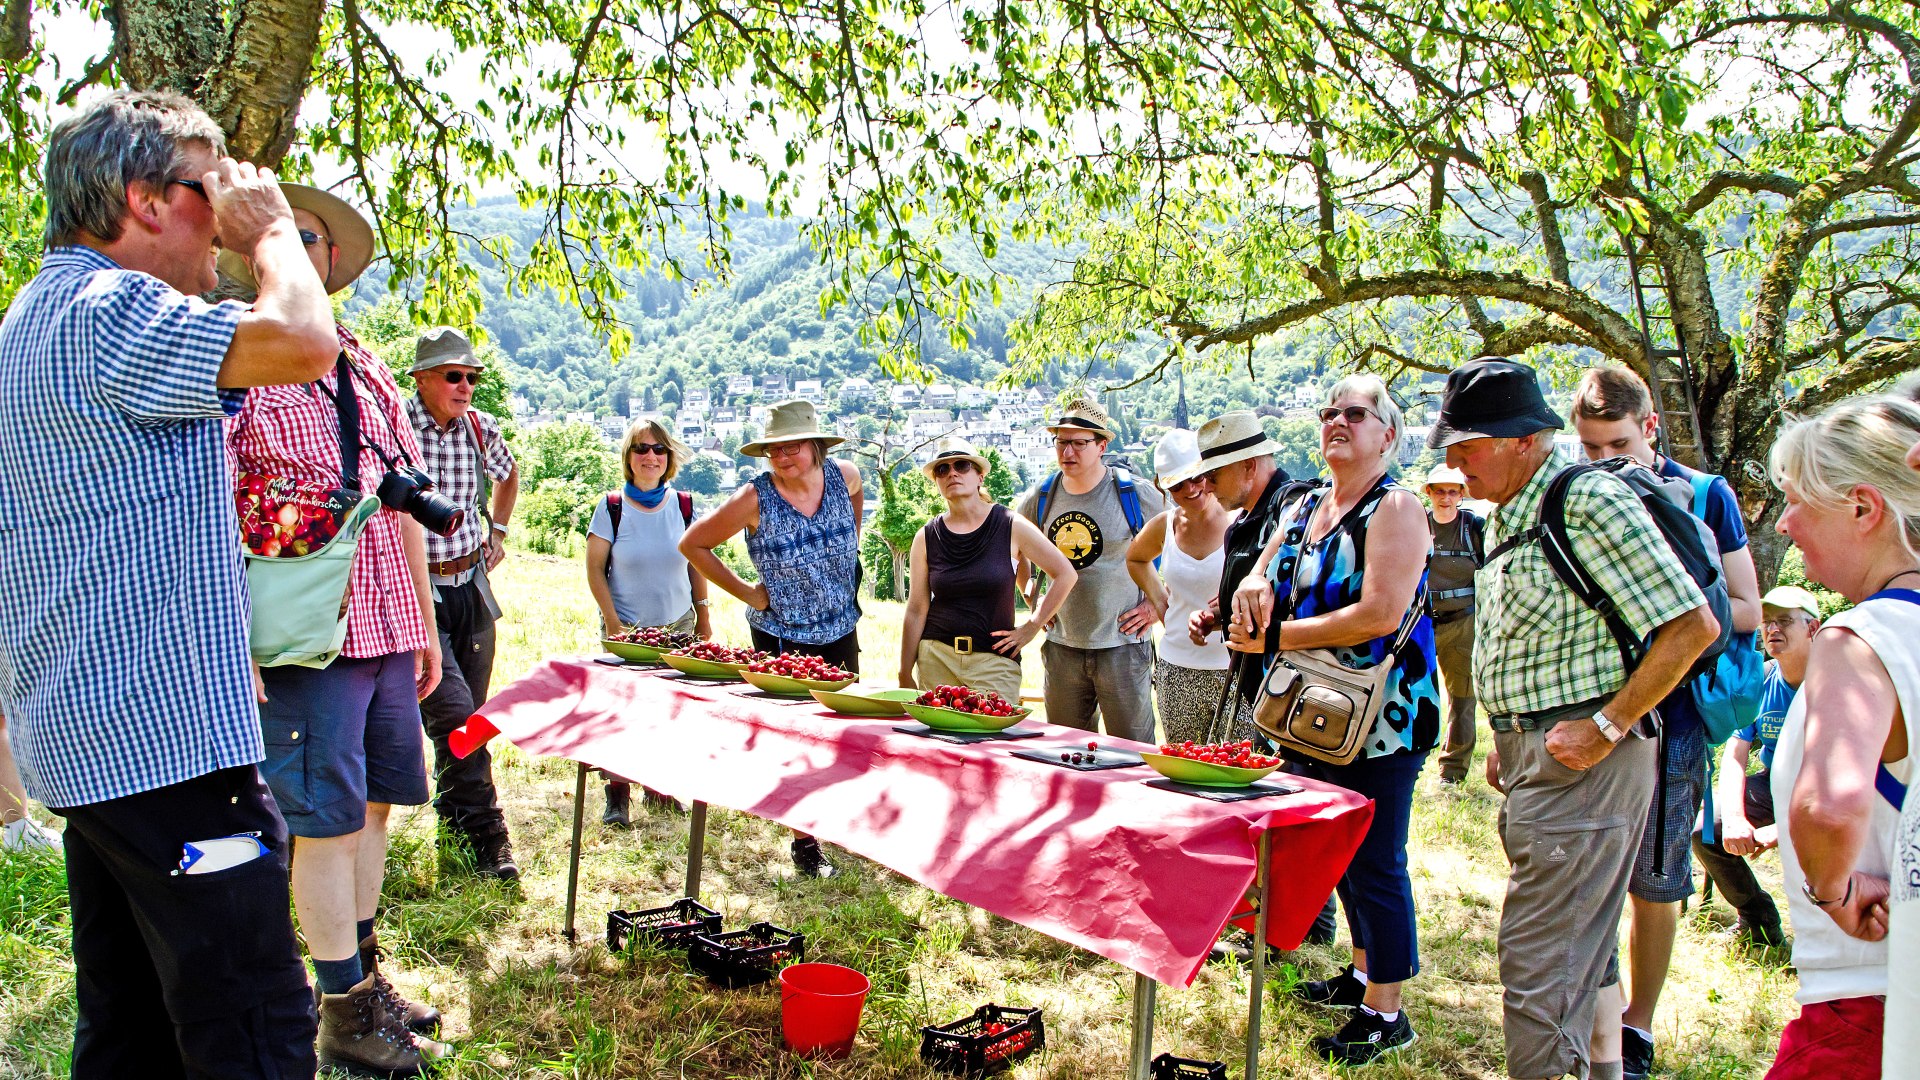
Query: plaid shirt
pixel 294 431
pixel 123 608
pixel 448 456
pixel 1536 645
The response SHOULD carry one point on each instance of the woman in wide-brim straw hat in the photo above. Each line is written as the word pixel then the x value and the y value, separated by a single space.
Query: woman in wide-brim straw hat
pixel 959 625
pixel 1188 540
pixel 802 520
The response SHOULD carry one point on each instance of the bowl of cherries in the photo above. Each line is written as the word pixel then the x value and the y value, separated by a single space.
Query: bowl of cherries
pixel 796 675
pixel 1234 764
pixel 645 644
pixel 708 660
pixel 962 708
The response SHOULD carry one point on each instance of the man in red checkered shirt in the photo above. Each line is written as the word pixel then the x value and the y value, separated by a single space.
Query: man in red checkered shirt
pixel 343 742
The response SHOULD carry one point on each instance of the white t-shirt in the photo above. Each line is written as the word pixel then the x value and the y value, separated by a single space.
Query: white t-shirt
pixel 1833 965
pixel 1902 1058
pixel 1191 583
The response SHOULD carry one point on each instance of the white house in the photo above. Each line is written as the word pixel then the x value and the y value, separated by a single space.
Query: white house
pixel 854 390
pixel 940 396
pixel 739 386
pixel 773 387
pixel 903 395
pixel 694 396
pixel 973 397
pixel 810 390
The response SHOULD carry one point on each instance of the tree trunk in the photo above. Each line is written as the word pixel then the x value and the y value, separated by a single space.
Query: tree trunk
pixel 899 573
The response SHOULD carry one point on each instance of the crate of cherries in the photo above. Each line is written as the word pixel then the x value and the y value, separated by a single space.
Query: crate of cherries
pixel 745 957
pixel 968 700
pixel 989 1040
pixel 800 666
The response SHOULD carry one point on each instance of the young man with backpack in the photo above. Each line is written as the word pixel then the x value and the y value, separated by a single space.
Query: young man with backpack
pixel 1097 656
pixel 1568 705
pixel 1614 417
pixel 1458 551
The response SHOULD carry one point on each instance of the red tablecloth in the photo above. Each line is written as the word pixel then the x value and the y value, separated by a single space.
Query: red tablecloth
pixel 1144 877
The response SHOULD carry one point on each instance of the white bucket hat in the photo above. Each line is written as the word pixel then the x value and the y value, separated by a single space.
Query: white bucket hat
pixel 1176 457
pixel 951 447
pixel 1445 474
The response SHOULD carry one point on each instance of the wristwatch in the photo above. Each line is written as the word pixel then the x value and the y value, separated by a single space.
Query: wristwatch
pixel 1613 732
pixel 500 527
pixel 702 603
pixel 1807 888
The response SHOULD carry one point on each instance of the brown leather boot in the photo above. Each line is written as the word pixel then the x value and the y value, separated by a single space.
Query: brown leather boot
pixel 418 1018
pixel 358 1034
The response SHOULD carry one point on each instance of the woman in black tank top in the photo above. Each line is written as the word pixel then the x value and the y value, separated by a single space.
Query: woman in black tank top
pixel 960 628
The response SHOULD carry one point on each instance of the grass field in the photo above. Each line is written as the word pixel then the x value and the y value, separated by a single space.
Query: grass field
pixel 521 1003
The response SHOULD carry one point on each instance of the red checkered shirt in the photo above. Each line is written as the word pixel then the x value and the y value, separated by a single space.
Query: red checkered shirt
pixel 294 431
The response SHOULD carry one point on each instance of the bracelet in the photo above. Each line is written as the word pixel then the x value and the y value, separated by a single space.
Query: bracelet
pixel 1807 888
pixel 500 527
pixel 702 603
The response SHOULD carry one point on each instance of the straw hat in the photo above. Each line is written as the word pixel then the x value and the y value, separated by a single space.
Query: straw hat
pixel 951 447
pixel 1232 437
pixel 791 421
pixel 1083 415
pixel 441 346
pixel 345 225
pixel 1176 457
pixel 1446 474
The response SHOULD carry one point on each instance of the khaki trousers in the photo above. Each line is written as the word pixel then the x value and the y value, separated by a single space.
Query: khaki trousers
pixel 937 663
pixel 1453 645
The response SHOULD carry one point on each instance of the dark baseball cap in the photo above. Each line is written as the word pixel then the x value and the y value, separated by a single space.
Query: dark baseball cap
pixel 1491 398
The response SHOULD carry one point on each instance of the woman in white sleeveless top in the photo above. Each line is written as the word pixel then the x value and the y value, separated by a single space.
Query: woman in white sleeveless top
pixel 1188 679
pixel 1853 509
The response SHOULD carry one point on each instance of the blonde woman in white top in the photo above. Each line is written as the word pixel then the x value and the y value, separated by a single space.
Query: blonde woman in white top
pixel 1853 509
pixel 1189 539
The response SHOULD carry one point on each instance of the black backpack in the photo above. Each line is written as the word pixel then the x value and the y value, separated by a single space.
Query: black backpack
pixel 1691 540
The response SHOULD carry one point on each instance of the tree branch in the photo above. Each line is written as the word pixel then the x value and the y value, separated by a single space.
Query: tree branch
pixel 1876 363
pixel 16 31
pixel 1535 185
pixel 1862 224
pixel 1727 180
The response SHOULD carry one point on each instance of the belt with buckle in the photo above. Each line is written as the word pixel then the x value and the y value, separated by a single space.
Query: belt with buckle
pixel 452 567
pixel 1546 718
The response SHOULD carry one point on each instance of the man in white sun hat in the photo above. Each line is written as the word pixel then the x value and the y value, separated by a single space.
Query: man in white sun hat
pixel 1457 552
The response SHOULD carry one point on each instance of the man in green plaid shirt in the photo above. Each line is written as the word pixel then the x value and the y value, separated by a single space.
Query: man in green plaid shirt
pixel 1570 750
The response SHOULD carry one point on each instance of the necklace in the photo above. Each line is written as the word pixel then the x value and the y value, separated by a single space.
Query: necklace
pixel 1894 578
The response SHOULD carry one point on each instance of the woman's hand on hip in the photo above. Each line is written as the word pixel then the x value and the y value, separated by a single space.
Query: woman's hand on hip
pixel 757 597
pixel 1012 641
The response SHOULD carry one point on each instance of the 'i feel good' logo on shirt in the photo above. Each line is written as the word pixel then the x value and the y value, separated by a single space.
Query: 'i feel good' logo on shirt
pixel 1077 536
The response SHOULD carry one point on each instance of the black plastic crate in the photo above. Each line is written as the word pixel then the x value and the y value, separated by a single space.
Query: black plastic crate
pixel 670 927
pixel 745 957
pixel 970 1047
pixel 1168 1067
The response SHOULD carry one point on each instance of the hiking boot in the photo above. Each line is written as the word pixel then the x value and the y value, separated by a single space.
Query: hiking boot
pixel 493 858
pixel 809 859
pixel 1760 929
pixel 1636 1054
pixel 359 1035
pixel 1366 1037
pixel 1343 991
pixel 419 1019
pixel 617 815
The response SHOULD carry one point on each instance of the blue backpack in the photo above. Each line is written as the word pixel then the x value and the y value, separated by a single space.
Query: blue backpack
pixel 1727 695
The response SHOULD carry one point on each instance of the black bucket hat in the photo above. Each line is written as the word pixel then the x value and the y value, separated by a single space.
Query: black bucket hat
pixel 1491 398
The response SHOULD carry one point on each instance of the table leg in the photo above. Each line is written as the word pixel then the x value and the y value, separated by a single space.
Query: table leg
pixel 1144 990
pixel 1263 887
pixel 573 854
pixel 696 846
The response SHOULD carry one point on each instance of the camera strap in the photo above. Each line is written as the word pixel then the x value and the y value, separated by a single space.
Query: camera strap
pixel 348 405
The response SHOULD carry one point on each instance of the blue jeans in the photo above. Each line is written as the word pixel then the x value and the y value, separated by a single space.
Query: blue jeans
pixel 1375 891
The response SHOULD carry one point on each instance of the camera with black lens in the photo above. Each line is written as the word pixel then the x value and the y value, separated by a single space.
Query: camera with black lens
pixel 410 491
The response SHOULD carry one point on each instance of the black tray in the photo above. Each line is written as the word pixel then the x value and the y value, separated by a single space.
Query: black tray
pixel 1103 758
pixel 1168 1067
pixel 672 926
pixel 967 738
pixel 745 957
pixel 965 1048
pixel 1259 789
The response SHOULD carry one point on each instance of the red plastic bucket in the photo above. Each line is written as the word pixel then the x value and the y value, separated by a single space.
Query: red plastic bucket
pixel 820 1008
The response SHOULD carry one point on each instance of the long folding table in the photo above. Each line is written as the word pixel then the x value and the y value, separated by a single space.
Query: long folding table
pixel 1143 876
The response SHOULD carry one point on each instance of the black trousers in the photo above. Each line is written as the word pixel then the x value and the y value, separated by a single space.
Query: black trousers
pixel 844 651
pixel 1733 873
pixel 464 794
pixel 182 975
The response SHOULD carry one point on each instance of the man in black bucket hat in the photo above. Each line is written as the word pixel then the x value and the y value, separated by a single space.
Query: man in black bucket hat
pixel 1569 744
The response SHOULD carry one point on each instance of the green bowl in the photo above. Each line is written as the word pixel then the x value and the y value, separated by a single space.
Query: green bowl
pixel 955 720
pixel 867 703
pixel 785 687
pixel 1202 773
pixel 627 650
pixel 705 669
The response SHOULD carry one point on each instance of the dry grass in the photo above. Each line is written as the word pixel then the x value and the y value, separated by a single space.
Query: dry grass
pixel 524 1004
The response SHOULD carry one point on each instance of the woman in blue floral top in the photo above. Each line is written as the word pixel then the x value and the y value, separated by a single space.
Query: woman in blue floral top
pixel 1349 563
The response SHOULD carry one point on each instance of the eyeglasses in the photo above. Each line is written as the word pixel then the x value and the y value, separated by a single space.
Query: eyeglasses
pixel 309 238
pixel 455 378
pixel 945 467
pixel 194 186
pixel 785 448
pixel 1354 414
pixel 1782 622
pixel 1073 444
pixel 660 449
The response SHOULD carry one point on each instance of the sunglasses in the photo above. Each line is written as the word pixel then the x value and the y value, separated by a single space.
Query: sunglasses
pixel 1353 414
pixel 1201 480
pixel 309 238
pixel 194 186
pixel 945 467
pixel 455 378
pixel 660 449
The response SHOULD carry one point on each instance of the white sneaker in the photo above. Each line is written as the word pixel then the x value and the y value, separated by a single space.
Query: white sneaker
pixel 25 835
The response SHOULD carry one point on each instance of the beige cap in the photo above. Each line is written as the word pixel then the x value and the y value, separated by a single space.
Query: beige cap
pixel 1792 598
pixel 1446 474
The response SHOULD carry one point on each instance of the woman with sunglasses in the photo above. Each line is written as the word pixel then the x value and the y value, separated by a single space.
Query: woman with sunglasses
pixel 1349 564
pixel 1188 541
pixel 634 567
pixel 959 625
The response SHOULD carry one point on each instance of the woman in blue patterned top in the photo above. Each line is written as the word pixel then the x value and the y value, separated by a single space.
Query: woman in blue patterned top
pixel 802 520
pixel 1353 559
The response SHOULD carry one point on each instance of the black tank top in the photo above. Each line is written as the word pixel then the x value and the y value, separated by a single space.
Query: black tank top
pixel 970 576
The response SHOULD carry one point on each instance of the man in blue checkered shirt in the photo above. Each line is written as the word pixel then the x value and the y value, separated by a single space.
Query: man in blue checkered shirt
pixel 123 613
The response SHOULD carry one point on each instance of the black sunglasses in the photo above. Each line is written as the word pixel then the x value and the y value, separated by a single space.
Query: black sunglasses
pixel 1353 413
pixel 662 449
pixel 946 467
pixel 309 238
pixel 454 378
pixel 194 186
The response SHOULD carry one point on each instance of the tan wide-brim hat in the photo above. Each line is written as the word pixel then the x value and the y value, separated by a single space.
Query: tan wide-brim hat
pixel 951 448
pixel 790 421
pixel 1232 437
pixel 1083 415
pixel 349 230
pixel 441 346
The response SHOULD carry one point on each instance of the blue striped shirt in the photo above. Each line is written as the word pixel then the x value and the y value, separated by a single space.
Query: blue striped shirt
pixel 123 607
pixel 810 565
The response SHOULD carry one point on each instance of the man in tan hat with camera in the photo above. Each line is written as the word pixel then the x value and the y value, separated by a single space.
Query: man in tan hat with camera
pixel 460 445
pixel 1098 660
pixel 1457 552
